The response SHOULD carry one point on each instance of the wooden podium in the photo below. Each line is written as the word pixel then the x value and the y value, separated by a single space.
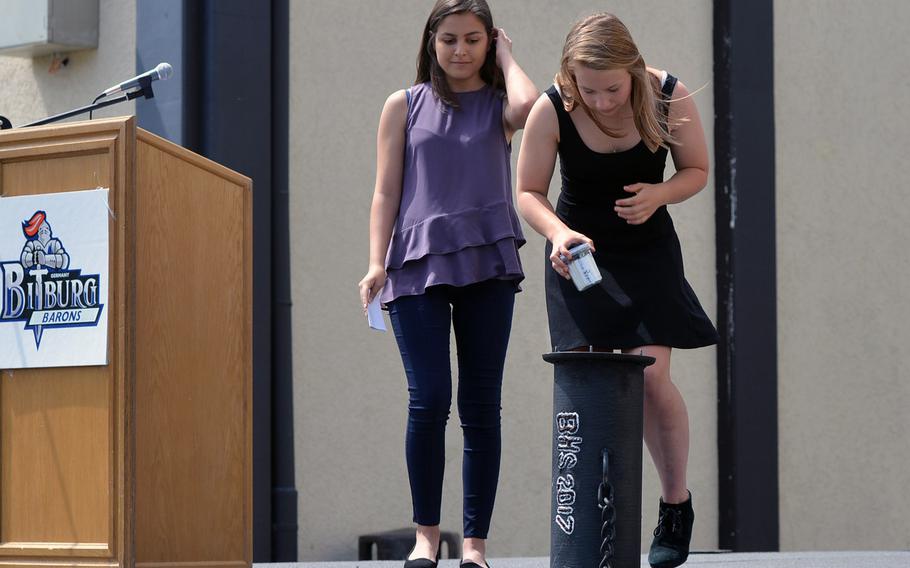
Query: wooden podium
pixel 146 461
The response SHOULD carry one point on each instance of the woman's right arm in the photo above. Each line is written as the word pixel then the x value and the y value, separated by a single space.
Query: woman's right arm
pixel 387 193
pixel 536 161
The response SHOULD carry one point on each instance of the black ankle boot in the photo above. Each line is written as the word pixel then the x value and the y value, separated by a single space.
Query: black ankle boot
pixel 670 546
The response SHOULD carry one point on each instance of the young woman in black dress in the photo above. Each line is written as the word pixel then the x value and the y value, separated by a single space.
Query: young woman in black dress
pixel 612 121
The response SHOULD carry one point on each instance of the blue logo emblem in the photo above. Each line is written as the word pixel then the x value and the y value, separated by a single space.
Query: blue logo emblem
pixel 42 290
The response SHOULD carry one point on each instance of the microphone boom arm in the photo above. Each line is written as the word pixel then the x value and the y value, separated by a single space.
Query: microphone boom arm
pixel 144 90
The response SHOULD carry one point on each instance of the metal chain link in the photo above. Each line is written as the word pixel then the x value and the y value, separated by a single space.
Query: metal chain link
pixel 607 515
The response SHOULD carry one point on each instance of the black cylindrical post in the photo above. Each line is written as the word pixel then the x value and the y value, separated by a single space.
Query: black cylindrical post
pixel 597 432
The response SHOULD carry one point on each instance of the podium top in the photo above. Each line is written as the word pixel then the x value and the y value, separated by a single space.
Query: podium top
pixel 576 356
pixel 18 140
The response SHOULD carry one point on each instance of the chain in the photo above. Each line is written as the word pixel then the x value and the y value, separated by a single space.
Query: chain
pixel 607 515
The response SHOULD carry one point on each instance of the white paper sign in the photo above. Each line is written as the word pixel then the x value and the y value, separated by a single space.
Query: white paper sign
pixel 54 279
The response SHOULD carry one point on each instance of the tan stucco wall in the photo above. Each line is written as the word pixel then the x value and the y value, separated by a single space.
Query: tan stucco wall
pixel 350 394
pixel 843 225
pixel 29 92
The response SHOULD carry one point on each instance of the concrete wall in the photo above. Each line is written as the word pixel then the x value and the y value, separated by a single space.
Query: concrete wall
pixel 350 398
pixel 843 225
pixel 29 92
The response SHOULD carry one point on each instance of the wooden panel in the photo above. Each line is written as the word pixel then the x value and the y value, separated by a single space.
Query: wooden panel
pixel 55 472
pixel 64 460
pixel 55 446
pixel 192 360
pixel 54 174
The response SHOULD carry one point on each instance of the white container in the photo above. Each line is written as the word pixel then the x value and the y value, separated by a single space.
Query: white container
pixel 582 267
pixel 31 28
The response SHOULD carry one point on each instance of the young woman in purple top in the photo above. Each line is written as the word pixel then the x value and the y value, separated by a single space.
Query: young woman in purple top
pixel 444 240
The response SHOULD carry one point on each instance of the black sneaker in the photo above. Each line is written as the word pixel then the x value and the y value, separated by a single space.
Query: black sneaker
pixel 670 546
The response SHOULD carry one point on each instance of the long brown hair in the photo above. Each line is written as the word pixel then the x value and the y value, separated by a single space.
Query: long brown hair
pixel 603 42
pixel 428 68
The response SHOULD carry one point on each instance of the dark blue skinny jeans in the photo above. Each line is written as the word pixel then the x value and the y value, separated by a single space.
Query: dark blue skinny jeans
pixel 481 315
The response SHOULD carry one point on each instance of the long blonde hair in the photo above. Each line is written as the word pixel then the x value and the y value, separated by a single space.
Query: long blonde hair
pixel 602 42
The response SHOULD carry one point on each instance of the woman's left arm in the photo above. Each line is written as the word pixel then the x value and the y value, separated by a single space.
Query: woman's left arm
pixel 690 157
pixel 520 91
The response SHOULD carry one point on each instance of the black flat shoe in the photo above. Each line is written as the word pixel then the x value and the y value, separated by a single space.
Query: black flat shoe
pixel 423 562
pixel 472 565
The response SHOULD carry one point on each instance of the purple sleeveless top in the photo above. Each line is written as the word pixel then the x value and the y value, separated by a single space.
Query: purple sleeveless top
pixel 456 223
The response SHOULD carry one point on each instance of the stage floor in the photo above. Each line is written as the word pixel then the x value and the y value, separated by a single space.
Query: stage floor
pixel 858 559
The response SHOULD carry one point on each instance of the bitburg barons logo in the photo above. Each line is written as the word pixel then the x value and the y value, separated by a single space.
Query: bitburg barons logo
pixel 42 290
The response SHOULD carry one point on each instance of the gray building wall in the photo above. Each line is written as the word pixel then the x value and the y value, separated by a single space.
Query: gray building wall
pixel 843 225
pixel 350 401
pixel 28 92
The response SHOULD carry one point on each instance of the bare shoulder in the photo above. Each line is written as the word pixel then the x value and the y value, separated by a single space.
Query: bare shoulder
pixel 394 112
pixel 684 119
pixel 682 101
pixel 680 91
pixel 396 103
pixel 542 118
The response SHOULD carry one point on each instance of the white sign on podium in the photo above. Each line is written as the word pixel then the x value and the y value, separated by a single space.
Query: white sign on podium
pixel 54 279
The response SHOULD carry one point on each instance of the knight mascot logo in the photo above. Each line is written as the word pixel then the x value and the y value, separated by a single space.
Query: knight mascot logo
pixel 42 290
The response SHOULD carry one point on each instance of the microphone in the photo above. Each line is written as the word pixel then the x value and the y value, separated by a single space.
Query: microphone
pixel 162 71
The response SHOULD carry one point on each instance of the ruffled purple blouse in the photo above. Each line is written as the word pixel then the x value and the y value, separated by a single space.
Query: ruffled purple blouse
pixel 456 223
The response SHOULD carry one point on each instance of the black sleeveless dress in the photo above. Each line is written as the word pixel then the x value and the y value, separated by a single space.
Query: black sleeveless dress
pixel 644 298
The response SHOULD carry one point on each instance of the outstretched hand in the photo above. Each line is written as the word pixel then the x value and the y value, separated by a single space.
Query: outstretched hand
pixel 645 201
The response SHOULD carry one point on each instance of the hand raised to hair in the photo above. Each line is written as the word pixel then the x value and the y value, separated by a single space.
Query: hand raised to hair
pixel 503 47
pixel 639 208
